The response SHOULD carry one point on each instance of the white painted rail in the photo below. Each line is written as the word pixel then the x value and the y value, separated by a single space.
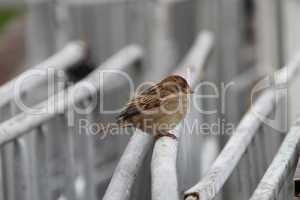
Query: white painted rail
pixel 279 176
pixel 33 86
pixel 124 176
pixel 71 55
pixel 44 158
pixel 52 141
pixel 164 158
pixel 233 151
pixel 20 124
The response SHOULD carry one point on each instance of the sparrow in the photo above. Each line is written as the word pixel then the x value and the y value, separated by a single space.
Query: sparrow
pixel 158 109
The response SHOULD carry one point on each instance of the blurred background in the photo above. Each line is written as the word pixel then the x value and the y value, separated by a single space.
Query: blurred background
pixel 250 34
pixel 252 38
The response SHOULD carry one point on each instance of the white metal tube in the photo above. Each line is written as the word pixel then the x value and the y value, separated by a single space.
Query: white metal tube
pixel 70 55
pixel 228 159
pixel 163 166
pixel 128 167
pixel 22 123
pixel 282 166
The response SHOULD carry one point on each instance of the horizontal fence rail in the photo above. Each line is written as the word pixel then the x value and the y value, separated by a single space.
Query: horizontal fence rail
pixel 69 57
pixel 20 124
pixel 47 154
pixel 29 88
pixel 140 143
pixel 222 168
pixel 164 159
pixel 279 176
pixel 45 168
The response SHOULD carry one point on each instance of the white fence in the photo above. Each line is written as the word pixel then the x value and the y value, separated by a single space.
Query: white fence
pixel 249 145
pixel 48 156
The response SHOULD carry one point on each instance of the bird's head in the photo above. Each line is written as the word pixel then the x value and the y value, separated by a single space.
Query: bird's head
pixel 177 84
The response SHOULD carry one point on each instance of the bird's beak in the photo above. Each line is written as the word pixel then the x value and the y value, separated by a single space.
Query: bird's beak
pixel 191 91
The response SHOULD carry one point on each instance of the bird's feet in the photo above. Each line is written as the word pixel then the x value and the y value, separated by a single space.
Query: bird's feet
pixel 164 134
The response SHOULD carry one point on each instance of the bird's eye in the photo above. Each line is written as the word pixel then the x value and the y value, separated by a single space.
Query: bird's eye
pixel 175 88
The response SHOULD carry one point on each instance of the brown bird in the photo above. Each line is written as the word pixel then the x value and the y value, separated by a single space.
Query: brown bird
pixel 158 109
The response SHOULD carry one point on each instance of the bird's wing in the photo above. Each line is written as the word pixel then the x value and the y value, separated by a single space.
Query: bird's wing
pixel 139 104
pixel 153 90
pixel 151 98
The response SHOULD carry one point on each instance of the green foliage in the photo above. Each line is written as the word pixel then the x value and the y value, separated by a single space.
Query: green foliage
pixel 8 14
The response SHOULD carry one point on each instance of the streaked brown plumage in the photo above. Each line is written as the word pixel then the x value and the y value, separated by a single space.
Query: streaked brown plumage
pixel 159 108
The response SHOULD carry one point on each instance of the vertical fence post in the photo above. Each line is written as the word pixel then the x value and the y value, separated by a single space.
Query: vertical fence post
pixel 270 54
pixel 230 44
pixel 208 15
pixel 168 37
pixel 40 40
pixel 269 36
pixel 16 165
pixel 290 32
pixel 60 177
pixel 100 24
